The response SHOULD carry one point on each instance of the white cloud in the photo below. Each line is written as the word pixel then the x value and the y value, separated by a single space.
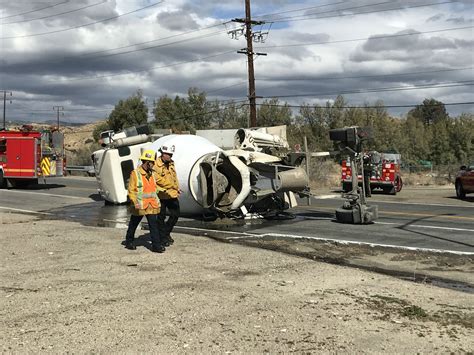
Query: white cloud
pixel 55 68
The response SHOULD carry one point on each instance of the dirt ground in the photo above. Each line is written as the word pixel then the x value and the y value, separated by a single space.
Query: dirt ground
pixel 66 287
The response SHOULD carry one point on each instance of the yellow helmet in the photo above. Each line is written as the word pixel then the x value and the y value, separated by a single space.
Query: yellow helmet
pixel 149 155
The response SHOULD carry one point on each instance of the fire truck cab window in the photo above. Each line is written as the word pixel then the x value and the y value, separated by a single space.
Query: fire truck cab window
pixel 3 146
pixel 123 151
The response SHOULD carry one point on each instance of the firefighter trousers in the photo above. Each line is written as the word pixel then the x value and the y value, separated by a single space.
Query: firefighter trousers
pixel 152 224
pixel 166 226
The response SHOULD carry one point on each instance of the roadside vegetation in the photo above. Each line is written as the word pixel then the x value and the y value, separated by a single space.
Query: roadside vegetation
pixel 433 144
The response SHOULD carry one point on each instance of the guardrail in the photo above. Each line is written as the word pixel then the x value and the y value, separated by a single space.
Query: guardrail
pixel 88 169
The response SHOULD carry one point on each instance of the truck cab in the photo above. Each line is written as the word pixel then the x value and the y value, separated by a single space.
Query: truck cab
pixel 26 155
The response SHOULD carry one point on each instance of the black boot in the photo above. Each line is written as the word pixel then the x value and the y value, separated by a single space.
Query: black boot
pixel 130 246
pixel 158 248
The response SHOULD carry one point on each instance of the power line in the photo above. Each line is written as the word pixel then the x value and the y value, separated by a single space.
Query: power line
pixel 304 17
pixel 329 11
pixel 364 76
pixel 54 15
pixel 193 31
pixel 153 40
pixel 152 68
pixel 84 25
pixel 381 106
pixel 300 9
pixel 342 77
pixel 274 46
pixel 159 45
pixel 366 38
pixel 377 90
pixel 35 10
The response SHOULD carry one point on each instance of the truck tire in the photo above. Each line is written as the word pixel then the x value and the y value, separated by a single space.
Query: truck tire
pixel 390 190
pixel 346 186
pixel 460 192
pixel 398 184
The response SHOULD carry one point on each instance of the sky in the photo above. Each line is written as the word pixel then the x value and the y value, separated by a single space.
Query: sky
pixel 83 56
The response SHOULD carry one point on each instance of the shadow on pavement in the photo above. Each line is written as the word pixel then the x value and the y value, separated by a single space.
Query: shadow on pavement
pixel 43 186
pixel 467 198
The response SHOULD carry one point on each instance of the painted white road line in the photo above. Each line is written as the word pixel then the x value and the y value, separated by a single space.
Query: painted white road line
pixel 24 211
pixel 349 242
pixel 327 197
pixel 47 194
pixel 246 235
pixel 428 227
pixel 443 228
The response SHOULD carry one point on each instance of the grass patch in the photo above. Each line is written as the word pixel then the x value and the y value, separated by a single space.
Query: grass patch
pixel 413 312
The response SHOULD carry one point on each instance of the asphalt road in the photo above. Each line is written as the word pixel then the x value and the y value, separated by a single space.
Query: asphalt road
pixel 418 218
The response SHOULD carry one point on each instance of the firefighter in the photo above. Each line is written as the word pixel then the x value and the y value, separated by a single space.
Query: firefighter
pixel 168 186
pixel 142 191
pixel 367 173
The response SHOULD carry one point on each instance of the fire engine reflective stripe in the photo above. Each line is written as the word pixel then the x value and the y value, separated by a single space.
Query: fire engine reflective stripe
pixel 53 167
pixel 19 170
pixel 46 166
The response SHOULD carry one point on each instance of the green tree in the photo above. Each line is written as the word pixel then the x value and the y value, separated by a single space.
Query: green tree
pixel 232 115
pixel 184 114
pixel 313 125
pixel 440 148
pixel 335 113
pixel 273 113
pixel 130 112
pixel 430 112
pixel 417 138
pixel 100 127
pixel 199 109
pixel 462 138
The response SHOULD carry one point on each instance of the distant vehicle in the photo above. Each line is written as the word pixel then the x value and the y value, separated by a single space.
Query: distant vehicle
pixel 26 155
pixel 384 172
pixel 465 180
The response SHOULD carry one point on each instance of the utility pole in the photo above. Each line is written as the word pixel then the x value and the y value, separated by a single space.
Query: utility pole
pixel 58 109
pixel 5 92
pixel 250 53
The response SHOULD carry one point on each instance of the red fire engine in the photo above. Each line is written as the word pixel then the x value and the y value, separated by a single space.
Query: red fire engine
pixel 26 155
pixel 383 170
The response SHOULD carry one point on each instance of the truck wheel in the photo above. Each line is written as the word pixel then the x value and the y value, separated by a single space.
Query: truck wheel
pixel 460 193
pixel 346 186
pixel 398 184
pixel 3 181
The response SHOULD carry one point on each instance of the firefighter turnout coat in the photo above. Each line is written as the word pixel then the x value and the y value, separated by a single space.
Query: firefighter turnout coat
pixel 166 179
pixel 142 191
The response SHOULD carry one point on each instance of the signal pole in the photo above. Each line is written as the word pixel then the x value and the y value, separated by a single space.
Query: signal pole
pixel 5 92
pixel 250 53
pixel 58 109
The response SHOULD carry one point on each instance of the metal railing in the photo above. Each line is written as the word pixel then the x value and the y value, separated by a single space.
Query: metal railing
pixel 88 169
